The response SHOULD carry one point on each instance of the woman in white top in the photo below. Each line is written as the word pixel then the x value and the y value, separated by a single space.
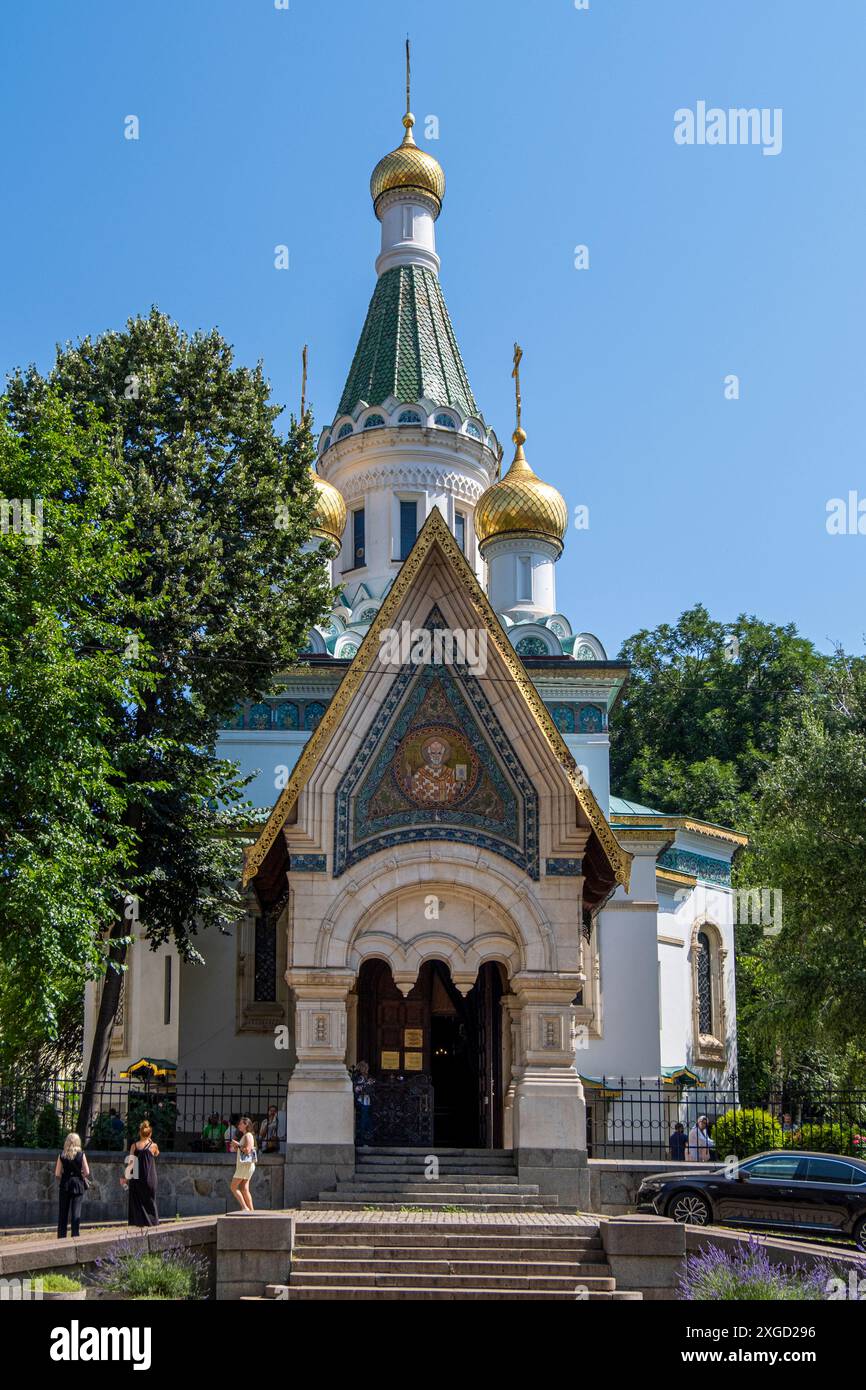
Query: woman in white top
pixel 245 1166
pixel 700 1149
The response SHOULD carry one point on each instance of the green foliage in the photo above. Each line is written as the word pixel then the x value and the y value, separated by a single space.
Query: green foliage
pixel 62 673
pixel 56 1283
pixel 744 1132
pixel 809 842
pixel 49 1131
pixel 171 585
pixel 160 1110
pixel 702 712
pixel 746 1273
pixel 827 1138
pixel 173 1273
pixel 103 1135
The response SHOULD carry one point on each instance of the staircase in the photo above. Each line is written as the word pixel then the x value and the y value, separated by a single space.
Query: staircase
pixel 447 1258
pixel 390 1179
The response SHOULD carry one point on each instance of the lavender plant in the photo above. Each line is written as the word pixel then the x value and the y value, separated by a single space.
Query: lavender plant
pixel 747 1273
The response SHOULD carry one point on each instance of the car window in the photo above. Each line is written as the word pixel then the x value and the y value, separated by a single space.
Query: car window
pixel 773 1166
pixel 830 1170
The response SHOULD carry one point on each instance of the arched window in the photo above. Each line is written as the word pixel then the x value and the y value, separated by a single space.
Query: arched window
pixel 709 1009
pixel 532 646
pixel 373 422
pixel 473 430
pixel 327 444
pixel 344 430
pixel 409 417
pixel 705 985
pixel 446 421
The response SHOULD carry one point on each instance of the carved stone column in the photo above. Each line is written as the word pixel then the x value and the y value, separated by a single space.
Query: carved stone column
pixel 550 1128
pixel 320 1117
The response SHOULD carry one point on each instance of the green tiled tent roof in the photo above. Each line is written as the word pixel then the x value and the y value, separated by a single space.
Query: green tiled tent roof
pixel 407 347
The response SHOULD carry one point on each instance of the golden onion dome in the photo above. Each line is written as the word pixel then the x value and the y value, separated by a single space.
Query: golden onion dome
pixel 408 167
pixel 521 504
pixel 329 519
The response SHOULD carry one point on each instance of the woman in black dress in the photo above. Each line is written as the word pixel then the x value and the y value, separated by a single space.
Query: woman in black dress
pixel 72 1170
pixel 139 1176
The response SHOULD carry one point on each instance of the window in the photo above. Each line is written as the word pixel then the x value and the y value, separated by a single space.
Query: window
pixel 778 1166
pixel 473 430
pixel 705 986
pixel 359 548
pixel 344 430
pixel 709 1010
pixel 374 422
pixel 446 421
pixel 460 530
pixel 166 996
pixel 524 579
pixel 408 527
pixel 265 987
pixel 409 417
pixel 408 223
pixel 830 1170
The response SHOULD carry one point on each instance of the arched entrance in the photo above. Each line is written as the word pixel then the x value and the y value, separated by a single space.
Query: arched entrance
pixel 435 1056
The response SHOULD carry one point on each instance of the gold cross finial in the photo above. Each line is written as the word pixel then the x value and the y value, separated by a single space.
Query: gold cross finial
pixel 518 354
pixel 303 380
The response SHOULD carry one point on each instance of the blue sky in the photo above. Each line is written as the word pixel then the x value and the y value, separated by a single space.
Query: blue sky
pixel 261 126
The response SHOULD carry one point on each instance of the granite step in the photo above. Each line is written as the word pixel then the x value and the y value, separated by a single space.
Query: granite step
pixel 304 1292
pixel 395 1237
pixel 309 1269
pixel 329 1202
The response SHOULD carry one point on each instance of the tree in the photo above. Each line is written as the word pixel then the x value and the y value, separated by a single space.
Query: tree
pixel 63 673
pixel 809 842
pixel 221 601
pixel 703 711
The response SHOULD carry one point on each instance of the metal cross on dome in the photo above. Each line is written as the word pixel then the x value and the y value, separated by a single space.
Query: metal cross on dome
pixel 518 354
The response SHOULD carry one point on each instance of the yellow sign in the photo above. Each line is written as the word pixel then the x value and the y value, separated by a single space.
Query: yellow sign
pixel 414 1061
pixel 413 1037
pixel 390 1061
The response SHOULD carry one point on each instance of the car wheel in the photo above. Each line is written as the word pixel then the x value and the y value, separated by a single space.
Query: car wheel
pixel 859 1231
pixel 690 1209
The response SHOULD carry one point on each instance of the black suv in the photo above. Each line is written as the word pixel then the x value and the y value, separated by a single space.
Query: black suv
pixel 785 1189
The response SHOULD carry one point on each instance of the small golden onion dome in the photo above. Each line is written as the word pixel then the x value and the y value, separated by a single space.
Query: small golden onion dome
pixel 521 504
pixel 408 167
pixel 330 514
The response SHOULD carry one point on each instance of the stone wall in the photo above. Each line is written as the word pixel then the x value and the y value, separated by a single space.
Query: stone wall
pixel 647 1253
pixel 614 1182
pixel 189 1185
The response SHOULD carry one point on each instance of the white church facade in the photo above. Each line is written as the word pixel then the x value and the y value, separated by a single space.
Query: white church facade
pixel 446 886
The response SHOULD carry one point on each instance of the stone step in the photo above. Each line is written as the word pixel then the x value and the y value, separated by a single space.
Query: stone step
pixel 303 1292
pixel 439 1196
pixel 504 1280
pixel 330 1202
pixel 448 1186
pixel 421 1159
pixel 440 1247
pixel 412 1229
pixel 365 1266
pixel 419 1174
pixel 387 1151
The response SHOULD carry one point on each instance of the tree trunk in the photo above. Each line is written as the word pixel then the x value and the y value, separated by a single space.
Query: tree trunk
pixel 100 1051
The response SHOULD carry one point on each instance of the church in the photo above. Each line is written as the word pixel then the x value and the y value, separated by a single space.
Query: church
pixel 445 885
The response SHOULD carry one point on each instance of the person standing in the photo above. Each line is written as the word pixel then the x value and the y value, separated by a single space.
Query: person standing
pixel 362 1085
pixel 74 1173
pixel 268 1132
pixel 700 1144
pixel 139 1176
pixel 678 1143
pixel 245 1165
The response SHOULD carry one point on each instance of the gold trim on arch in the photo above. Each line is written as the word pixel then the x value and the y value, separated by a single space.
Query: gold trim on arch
pixel 435 532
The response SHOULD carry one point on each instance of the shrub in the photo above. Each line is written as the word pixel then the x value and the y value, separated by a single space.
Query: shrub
pixel 57 1283
pixel 173 1273
pixel 160 1110
pixel 102 1136
pixel 826 1138
pixel 49 1131
pixel 744 1132
pixel 747 1273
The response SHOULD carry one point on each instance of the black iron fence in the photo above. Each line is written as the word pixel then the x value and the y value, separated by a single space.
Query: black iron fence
pixel 639 1117
pixel 188 1110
